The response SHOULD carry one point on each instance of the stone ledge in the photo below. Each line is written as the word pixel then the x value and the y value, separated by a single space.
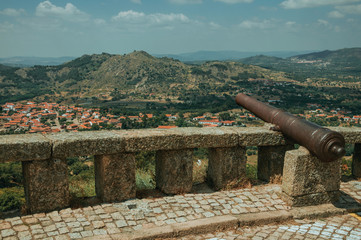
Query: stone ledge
pixel 179 138
pixel 85 143
pixel 39 147
pixel 260 136
pixel 351 134
pixel 24 147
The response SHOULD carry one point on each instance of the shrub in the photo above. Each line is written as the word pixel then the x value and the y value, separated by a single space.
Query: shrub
pixel 11 199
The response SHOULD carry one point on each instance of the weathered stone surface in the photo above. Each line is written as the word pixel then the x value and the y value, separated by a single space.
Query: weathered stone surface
pixel 115 176
pixel 46 185
pixel 86 143
pixel 307 180
pixel 270 161
pixel 150 140
pixel 356 161
pixel 303 173
pixel 226 165
pixel 24 147
pixel 257 136
pixel 311 199
pixel 179 138
pixel 174 171
pixel 208 137
pixel 351 134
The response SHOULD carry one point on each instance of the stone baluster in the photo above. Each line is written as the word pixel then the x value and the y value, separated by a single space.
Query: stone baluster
pixel 356 161
pixel 270 161
pixel 46 184
pixel 308 181
pixel 226 165
pixel 174 171
pixel 115 176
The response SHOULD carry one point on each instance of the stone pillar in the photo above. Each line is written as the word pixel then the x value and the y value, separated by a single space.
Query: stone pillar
pixel 115 177
pixel 308 181
pixel 174 171
pixel 226 165
pixel 356 161
pixel 270 161
pixel 46 185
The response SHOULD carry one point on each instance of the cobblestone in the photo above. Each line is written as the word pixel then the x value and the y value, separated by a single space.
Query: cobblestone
pixel 141 214
pixel 349 227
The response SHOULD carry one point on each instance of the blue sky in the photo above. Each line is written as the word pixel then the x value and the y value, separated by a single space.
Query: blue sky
pixel 75 27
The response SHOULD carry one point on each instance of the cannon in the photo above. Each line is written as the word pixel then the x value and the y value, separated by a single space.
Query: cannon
pixel 326 144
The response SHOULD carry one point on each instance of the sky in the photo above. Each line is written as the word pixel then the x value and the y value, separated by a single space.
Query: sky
pixel 58 28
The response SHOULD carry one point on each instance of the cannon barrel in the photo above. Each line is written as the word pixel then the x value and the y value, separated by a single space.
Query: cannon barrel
pixel 326 144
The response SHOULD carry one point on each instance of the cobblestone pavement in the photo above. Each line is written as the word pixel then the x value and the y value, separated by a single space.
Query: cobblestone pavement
pixel 133 215
pixel 338 227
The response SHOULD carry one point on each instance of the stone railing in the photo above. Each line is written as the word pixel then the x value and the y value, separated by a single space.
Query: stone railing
pixel 45 169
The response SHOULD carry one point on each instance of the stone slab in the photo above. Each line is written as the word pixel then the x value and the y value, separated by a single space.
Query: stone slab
pixel 178 138
pixel 260 136
pixel 319 211
pixel 46 185
pixel 86 143
pixel 226 165
pixel 356 161
pixel 174 171
pixel 115 177
pixel 262 218
pixel 303 174
pixel 311 199
pixel 24 147
pixel 351 134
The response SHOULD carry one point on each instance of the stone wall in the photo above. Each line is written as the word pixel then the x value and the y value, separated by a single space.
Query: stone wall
pixel 44 163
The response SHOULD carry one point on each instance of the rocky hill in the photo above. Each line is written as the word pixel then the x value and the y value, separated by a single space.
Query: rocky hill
pixel 137 75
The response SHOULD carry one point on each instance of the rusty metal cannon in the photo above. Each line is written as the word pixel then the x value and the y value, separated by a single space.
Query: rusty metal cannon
pixel 326 144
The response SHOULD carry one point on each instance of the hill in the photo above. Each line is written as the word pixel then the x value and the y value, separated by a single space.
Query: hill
pixel 224 55
pixel 142 82
pixel 137 75
pixel 347 55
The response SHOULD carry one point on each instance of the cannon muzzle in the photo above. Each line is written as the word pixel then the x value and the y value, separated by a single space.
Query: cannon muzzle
pixel 326 144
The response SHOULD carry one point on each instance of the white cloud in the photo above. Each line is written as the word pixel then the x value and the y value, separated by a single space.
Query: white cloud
pixel 350 9
pixel 322 22
pixel 257 24
pixel 295 4
pixel 214 25
pixel 6 26
pixel 335 14
pixel 12 12
pixel 326 25
pixel 133 17
pixel 99 21
pixel 234 1
pixel 290 24
pixel 69 12
pixel 137 1
pixel 186 1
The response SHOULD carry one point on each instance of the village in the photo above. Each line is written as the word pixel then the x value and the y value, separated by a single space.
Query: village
pixel 44 117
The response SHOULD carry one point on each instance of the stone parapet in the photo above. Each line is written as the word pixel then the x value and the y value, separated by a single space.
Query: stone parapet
pixel 39 147
pixel 85 143
pixel 43 157
pixel 24 147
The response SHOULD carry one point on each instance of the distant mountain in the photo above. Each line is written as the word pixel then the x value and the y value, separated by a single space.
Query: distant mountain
pixel 32 61
pixel 349 56
pixel 317 64
pixel 225 55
